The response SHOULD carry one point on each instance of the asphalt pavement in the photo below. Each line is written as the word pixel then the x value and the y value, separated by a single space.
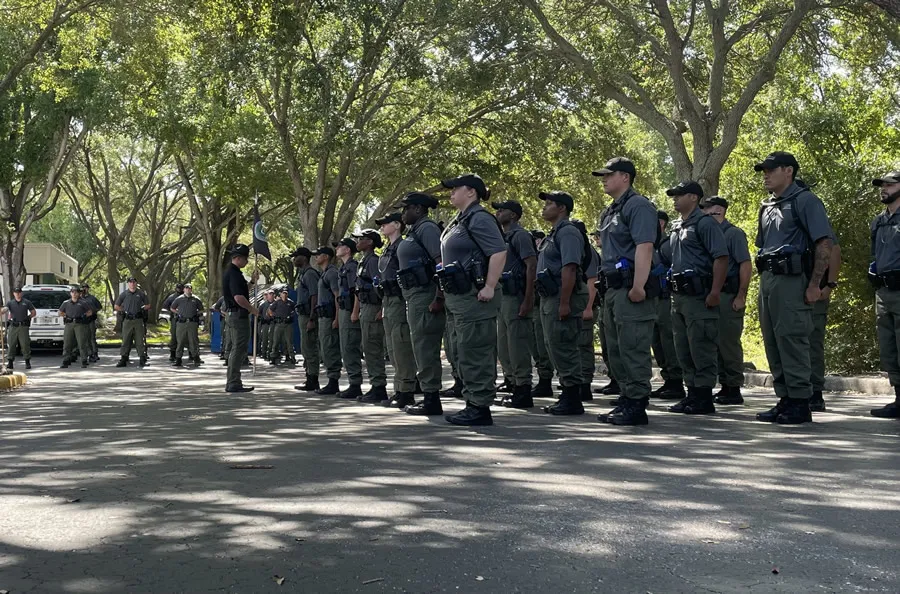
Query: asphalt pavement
pixel 156 480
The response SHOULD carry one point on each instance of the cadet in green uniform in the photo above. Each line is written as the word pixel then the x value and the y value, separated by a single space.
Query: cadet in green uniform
pixel 884 274
pixel 586 334
pixel 418 256
pixel 544 387
pixel 281 314
pixel 663 337
pixel 563 289
pixel 21 312
pixel 96 306
pixel 699 267
pixel 187 309
pixel 266 328
pixel 369 312
pixel 349 330
pixel 734 299
pixel 473 254
pixel 76 313
pixel 794 242
pixel 173 326
pixel 132 304
pixel 307 300
pixel 236 292
pixel 628 229
pixel 612 388
pixel 327 314
pixel 820 320
pixel 396 324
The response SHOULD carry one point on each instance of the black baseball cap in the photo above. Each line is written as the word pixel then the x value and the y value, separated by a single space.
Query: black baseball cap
pixel 74 289
pixel 239 249
pixel 394 217
pixel 301 251
pixel 891 178
pixel 17 289
pixel 470 180
pixel 130 279
pixel 85 286
pixel 538 234
pixel 347 241
pixel 324 251
pixel 284 290
pixel 715 201
pixel 508 205
pixel 177 285
pixel 420 198
pixel 623 164
pixel 662 215
pixel 372 234
pixel 686 187
pixel 563 198
pixel 777 159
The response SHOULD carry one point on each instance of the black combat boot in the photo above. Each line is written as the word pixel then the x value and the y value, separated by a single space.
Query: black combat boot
pixel 399 400
pixel 521 398
pixel 702 404
pixel 172 355
pixel 506 387
pixel 544 388
pixel 618 401
pixel 197 361
pixel 10 363
pixel 330 389
pixel 178 362
pixel 605 417
pixel 890 411
pixel 771 415
pixel 84 363
pixel 633 412
pixel 686 401
pixel 311 385
pixel 610 389
pixel 471 415
pixel 142 362
pixel 670 390
pixel 418 388
pixel 291 362
pixel 351 392
pixel 817 402
pixel 65 364
pixel 795 412
pixel 430 405
pixel 123 362
pixel 27 363
pixel 569 402
pixel 585 392
pixel 454 391
pixel 729 395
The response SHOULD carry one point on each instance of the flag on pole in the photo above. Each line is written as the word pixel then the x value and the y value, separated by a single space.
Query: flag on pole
pixel 260 241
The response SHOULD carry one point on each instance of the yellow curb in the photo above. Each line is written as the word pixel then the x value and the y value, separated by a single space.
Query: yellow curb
pixel 8 382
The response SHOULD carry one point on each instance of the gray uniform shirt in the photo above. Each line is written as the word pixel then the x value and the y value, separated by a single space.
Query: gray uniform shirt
pixel 778 219
pixel 281 309
pixel 885 231
pixel 389 263
pixel 347 276
pixel 263 310
pixel 594 267
pixel 563 246
pixel 187 307
pixel 367 270
pixel 19 311
pixel 738 250
pixel 470 233
pixel 629 221
pixel 520 246
pixel 132 303
pixel 663 252
pixel 307 284
pixel 75 309
pixel 329 284
pixel 429 235
pixel 696 242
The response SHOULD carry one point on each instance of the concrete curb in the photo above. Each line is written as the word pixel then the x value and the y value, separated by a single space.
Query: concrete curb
pixel 8 382
pixel 863 385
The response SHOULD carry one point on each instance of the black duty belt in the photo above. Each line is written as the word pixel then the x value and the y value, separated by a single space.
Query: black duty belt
pixel 181 320
pixel 787 264
pixel 692 285
pixel 15 324
pixel 889 280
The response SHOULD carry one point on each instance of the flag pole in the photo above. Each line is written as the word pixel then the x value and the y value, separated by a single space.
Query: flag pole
pixel 255 268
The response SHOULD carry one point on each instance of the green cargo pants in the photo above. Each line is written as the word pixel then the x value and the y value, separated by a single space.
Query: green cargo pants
pixel 786 323
pixel 514 337
pixel 399 344
pixel 426 330
pixel 664 342
pixel 538 346
pixel 330 348
pixel 887 326
pixel 239 331
pixel 18 337
pixel 283 339
pixel 95 348
pixel 449 347
pixel 562 337
pixel 132 332
pixel 731 351
pixel 265 339
pixel 350 335
pixel 186 335
pixel 309 346
pixel 601 332
pixel 629 333
pixel 76 335
pixel 475 328
pixel 817 345
pixel 173 333
pixel 226 336
pixel 372 328
pixel 696 331
pixel 586 348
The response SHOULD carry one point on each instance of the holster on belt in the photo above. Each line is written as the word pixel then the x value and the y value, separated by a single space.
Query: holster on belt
pixel 454 280
pixel 325 311
pixel 692 285
pixel 545 284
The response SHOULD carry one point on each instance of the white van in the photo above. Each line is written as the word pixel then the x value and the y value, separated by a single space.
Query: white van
pixel 47 328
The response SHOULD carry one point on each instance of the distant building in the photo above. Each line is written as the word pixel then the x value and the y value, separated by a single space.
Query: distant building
pixel 45 264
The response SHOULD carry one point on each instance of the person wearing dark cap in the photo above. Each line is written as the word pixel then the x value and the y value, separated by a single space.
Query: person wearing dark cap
pixel 167 306
pixel 884 274
pixel 76 314
pixel 349 329
pixel 132 303
pixel 281 314
pixel 266 349
pixel 795 240
pixel 628 230
pixel 663 346
pixel 515 327
pixel 396 324
pixel 538 346
pixel 327 314
pixel 186 310
pixel 473 254
pixel 699 267
pixel 96 306
pixel 562 285
pixel 21 311
pixel 236 292
pixel 418 256
pixel 307 301
pixel 734 299
pixel 371 321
